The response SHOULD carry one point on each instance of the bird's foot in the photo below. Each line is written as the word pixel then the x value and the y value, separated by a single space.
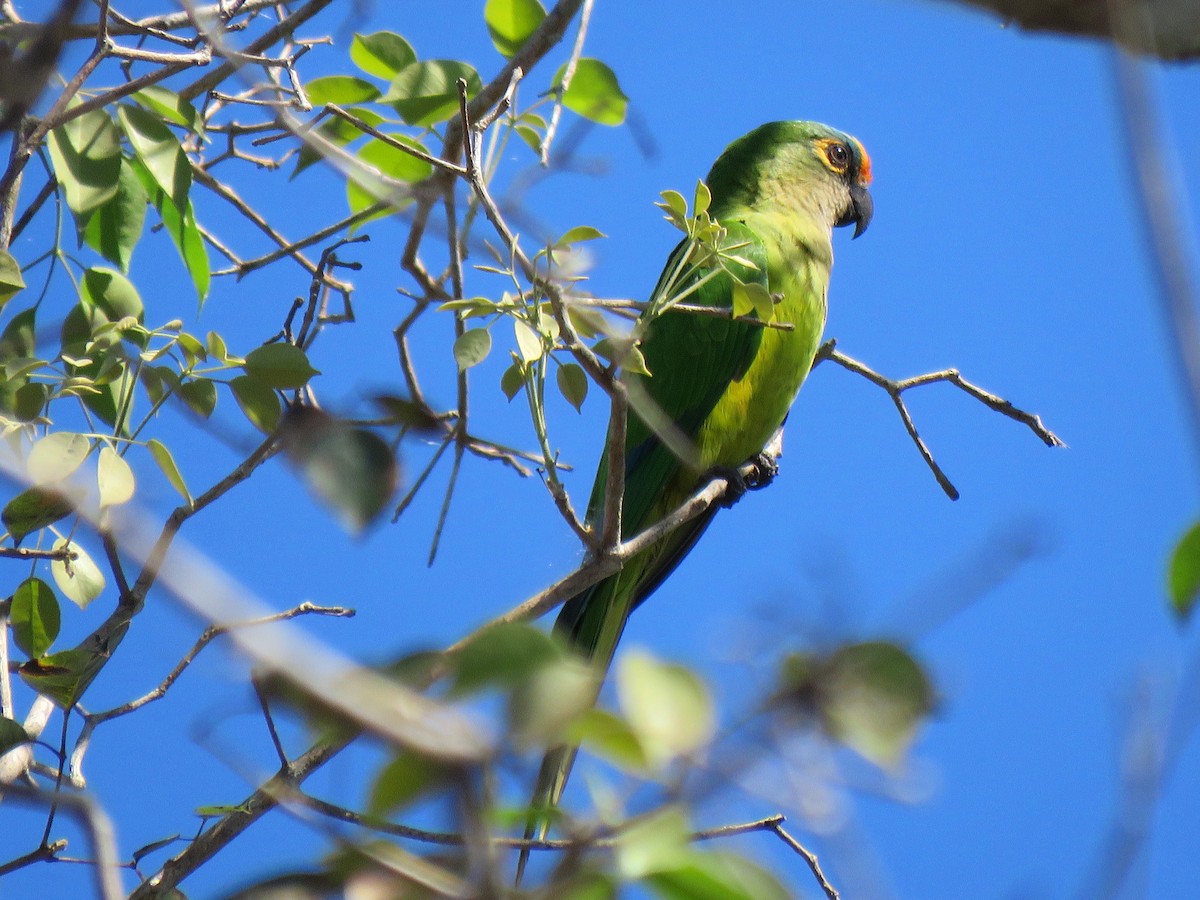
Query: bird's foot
pixel 763 470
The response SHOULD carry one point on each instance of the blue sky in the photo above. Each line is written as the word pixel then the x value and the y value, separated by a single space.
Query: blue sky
pixel 1006 243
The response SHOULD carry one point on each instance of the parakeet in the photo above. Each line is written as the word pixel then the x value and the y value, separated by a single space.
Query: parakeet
pixel 725 385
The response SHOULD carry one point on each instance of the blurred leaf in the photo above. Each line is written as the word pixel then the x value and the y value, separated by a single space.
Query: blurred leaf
pixel 171 107
pixel 716 876
pixel 1183 573
pixel 80 579
pixel 343 90
pixel 34 509
pixel 35 616
pixel 472 347
pixel 86 153
pixel 166 462
pixel 200 395
pixel 382 54
pixel 114 229
pixel 553 696
pixel 609 737
pixel 652 844
pixel 667 706
pixel 573 383
pixel 511 22
pixel 258 402
pixel 56 456
pixel 11 280
pixel 594 92
pixel 873 698
pixel 64 676
pixel 411 415
pixel 30 399
pixel 114 478
pixel 12 734
pixel 503 655
pixel 425 93
pixel 112 294
pixel 19 338
pixel 403 780
pixel 338 131
pixel 351 470
pixel 391 162
pixel 147 849
pixel 282 366
pixel 159 150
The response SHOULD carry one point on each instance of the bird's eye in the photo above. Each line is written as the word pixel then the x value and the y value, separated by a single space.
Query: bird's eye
pixel 838 155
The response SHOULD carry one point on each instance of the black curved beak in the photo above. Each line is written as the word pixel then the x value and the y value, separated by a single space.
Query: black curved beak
pixel 861 208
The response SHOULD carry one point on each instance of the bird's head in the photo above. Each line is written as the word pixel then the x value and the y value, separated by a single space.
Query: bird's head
pixel 805 165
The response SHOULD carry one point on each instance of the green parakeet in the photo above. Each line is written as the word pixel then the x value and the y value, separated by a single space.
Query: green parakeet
pixel 726 386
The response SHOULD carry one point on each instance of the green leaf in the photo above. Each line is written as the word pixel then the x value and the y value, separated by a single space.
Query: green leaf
pixel 114 478
pixel 147 849
pixel 340 89
pixel 112 294
pixel 166 462
pixel 56 456
pixel 171 107
pixel 594 92
pixel 35 616
pixel 503 655
pixel 653 844
pixel 183 231
pixel 34 509
pixel 382 54
pixel 280 365
pixel 573 383
pixel 702 198
pixel 19 339
pixel 715 876
pixel 513 380
pixel 578 235
pixel 425 93
pixel 472 347
pixel 752 298
pixel 63 676
pixel 511 22
pixel 200 395
pixel 114 229
pixel 80 579
pixel 551 698
pixel 11 280
pixel 29 400
pixel 609 737
pixel 259 403
pixel 667 706
pixel 159 151
pixel 874 696
pixel 86 153
pixel 12 734
pixel 529 342
pixel 365 189
pixel 337 131
pixel 351 470
pixel 403 780
pixel 1183 573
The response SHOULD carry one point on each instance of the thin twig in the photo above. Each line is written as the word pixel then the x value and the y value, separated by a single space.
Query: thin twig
pixel 809 857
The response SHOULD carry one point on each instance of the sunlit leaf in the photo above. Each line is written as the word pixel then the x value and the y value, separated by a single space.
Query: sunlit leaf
pixel 594 92
pixel 529 342
pixel 340 89
pixel 171 107
pixel 35 616
pixel 752 298
pixel 573 383
pixel 63 676
pixel 425 93
pixel 111 293
pixel 554 695
pixel 653 843
pixel 578 235
pixel 80 579
pixel 511 22
pixel 114 478
pixel 86 152
pixel 715 876
pixel 382 54
pixel 56 456
pixel 609 737
pixel 159 150
pixel 280 365
pixel 166 462
pixel 472 347
pixel 365 190
pixel 114 229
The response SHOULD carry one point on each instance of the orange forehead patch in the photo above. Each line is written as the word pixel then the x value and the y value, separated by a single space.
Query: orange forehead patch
pixel 864 170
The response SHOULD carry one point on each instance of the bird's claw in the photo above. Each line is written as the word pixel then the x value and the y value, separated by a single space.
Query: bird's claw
pixel 764 468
